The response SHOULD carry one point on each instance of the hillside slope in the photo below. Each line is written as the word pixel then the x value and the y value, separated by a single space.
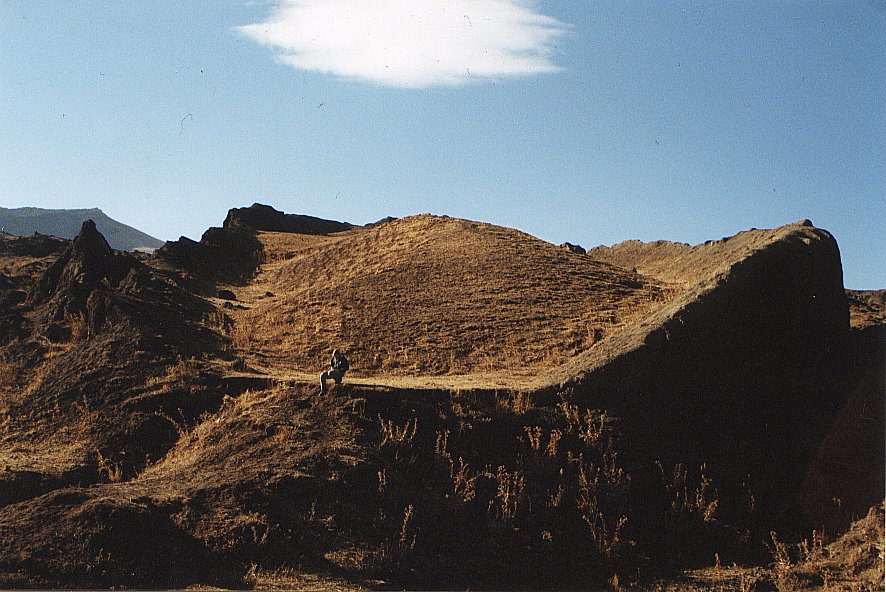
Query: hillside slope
pixel 66 224
pixel 518 415
pixel 430 295
pixel 91 341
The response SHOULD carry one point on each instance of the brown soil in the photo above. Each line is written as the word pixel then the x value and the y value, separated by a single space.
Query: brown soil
pixel 503 426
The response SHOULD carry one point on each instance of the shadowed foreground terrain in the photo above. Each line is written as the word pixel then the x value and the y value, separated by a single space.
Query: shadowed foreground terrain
pixel 653 416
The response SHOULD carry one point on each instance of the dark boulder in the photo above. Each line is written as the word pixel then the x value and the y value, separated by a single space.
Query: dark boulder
pixel 233 252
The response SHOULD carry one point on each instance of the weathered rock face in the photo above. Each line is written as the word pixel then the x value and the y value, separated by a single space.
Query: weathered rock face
pixel 262 217
pixel 231 253
pixel 73 283
pixel 743 370
pixel 95 288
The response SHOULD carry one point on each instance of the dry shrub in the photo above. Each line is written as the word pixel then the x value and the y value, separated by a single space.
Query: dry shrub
pixel 407 537
pixel 698 500
pixel 593 428
pixel 553 441
pixel 78 326
pixel 814 550
pixel 571 414
pixel 781 563
pixel 534 433
pixel 400 436
pixel 441 444
pixel 598 484
pixel 511 485
pixel 463 483
pixel 517 402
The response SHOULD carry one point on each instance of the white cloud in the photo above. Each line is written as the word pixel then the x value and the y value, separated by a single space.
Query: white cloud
pixel 412 43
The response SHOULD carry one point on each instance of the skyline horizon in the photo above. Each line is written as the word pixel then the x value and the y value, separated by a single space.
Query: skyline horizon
pixel 587 123
pixel 553 241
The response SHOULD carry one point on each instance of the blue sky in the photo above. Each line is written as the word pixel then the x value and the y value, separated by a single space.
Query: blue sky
pixel 580 121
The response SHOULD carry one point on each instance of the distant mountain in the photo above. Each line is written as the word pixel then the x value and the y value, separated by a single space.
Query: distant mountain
pixel 67 223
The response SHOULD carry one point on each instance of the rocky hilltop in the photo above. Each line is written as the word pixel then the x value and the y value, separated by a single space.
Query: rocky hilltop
pixel 518 414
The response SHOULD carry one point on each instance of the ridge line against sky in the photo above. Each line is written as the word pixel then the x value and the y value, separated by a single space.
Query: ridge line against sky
pixel 588 122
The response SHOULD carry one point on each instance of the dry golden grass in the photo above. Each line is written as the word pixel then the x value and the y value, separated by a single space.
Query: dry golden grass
pixel 293 579
pixel 680 264
pixel 431 296
pixel 359 483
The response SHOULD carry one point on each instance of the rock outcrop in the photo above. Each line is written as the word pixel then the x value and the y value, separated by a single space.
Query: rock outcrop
pixel 231 253
pixel 262 217
pixel 76 282
pixel 577 249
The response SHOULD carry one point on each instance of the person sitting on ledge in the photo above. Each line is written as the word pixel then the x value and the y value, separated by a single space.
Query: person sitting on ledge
pixel 339 365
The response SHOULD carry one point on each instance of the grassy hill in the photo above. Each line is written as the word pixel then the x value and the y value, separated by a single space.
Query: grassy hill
pixel 433 296
pixel 517 415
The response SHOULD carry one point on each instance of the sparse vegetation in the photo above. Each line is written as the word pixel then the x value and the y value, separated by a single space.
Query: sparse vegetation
pixel 511 420
pixel 459 323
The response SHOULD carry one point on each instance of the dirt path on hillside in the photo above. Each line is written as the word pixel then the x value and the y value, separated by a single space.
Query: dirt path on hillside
pixel 486 382
pixel 273 364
